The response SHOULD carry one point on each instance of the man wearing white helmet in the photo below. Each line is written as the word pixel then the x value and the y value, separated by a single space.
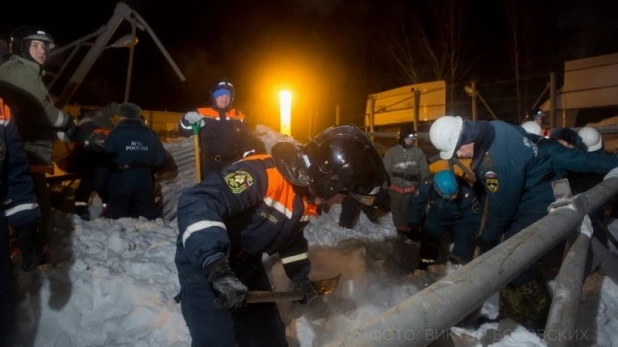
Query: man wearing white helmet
pixel 592 139
pixel 517 179
pixel 532 127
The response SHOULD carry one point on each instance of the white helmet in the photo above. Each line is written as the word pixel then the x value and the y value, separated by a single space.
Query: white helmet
pixel 444 135
pixel 532 127
pixel 591 137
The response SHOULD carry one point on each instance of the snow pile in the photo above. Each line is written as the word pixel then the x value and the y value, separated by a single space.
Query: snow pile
pixel 115 282
pixel 114 287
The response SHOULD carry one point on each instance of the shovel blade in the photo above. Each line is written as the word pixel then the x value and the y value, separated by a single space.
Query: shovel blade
pixel 326 286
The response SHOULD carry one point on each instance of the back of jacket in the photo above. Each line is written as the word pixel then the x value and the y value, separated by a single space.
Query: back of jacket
pixel 135 151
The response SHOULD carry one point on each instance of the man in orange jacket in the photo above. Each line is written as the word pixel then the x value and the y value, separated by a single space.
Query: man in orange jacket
pixel 224 135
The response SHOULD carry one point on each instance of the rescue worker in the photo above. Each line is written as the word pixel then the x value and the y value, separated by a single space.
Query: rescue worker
pixel 224 135
pixel 93 163
pixel 407 166
pixel 571 161
pixel 444 202
pixel 29 47
pixel 19 210
pixel 517 179
pixel 537 116
pixel 257 205
pixel 592 139
pixel 568 138
pixel 584 169
pixel 135 151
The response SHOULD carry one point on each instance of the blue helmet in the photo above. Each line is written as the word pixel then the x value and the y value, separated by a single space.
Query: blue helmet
pixel 445 183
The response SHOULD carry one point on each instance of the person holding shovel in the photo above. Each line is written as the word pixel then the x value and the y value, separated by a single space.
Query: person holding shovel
pixel 258 205
pixel 223 134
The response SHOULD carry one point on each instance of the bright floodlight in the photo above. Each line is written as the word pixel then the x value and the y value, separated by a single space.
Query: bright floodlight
pixel 285 103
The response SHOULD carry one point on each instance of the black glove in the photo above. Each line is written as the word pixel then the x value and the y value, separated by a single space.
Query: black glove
pixel 414 233
pixel 232 293
pixel 305 286
pixel 30 245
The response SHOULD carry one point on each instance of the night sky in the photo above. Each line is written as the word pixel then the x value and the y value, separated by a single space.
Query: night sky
pixel 327 52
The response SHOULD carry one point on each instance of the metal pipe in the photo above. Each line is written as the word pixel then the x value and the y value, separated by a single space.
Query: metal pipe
pixel 154 37
pixel 563 311
pixel 127 87
pixel 474 95
pixel 120 12
pixel 552 99
pixel 77 42
pixel 425 316
pixel 64 66
pixel 487 106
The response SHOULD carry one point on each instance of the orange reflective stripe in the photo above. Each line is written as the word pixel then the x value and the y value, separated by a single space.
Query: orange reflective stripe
pixel 102 131
pixel 5 111
pixel 280 193
pixel 210 112
pixel 311 210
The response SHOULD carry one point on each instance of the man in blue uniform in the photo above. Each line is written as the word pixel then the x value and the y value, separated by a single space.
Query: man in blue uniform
pixel 584 169
pixel 136 151
pixel 572 161
pixel 224 135
pixel 444 202
pixel 258 205
pixel 517 179
pixel 19 210
pixel 92 161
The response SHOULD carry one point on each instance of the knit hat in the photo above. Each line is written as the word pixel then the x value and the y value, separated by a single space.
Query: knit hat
pixel 129 110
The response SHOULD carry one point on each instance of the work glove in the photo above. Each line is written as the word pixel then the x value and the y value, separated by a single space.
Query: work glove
pixel 305 286
pixel 69 131
pixel 193 117
pixel 232 292
pixel 612 173
pixel 31 245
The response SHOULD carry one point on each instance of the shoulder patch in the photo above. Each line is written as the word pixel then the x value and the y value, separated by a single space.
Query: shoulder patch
pixel 239 181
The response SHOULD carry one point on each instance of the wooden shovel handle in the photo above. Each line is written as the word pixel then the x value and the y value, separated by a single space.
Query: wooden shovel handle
pixel 254 297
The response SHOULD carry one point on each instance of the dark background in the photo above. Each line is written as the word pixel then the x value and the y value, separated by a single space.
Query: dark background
pixel 328 52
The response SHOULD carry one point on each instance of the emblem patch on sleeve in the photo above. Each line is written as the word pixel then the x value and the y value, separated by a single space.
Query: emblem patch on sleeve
pixel 491 181
pixel 239 181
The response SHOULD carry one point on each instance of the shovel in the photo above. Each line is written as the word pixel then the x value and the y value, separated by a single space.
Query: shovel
pixel 196 148
pixel 322 287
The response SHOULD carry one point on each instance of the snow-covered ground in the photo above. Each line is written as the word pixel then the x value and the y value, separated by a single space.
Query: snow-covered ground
pixel 115 282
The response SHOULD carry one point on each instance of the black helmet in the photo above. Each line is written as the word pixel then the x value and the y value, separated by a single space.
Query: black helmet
pixel 221 86
pixel 342 159
pixel 406 133
pixel 22 37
